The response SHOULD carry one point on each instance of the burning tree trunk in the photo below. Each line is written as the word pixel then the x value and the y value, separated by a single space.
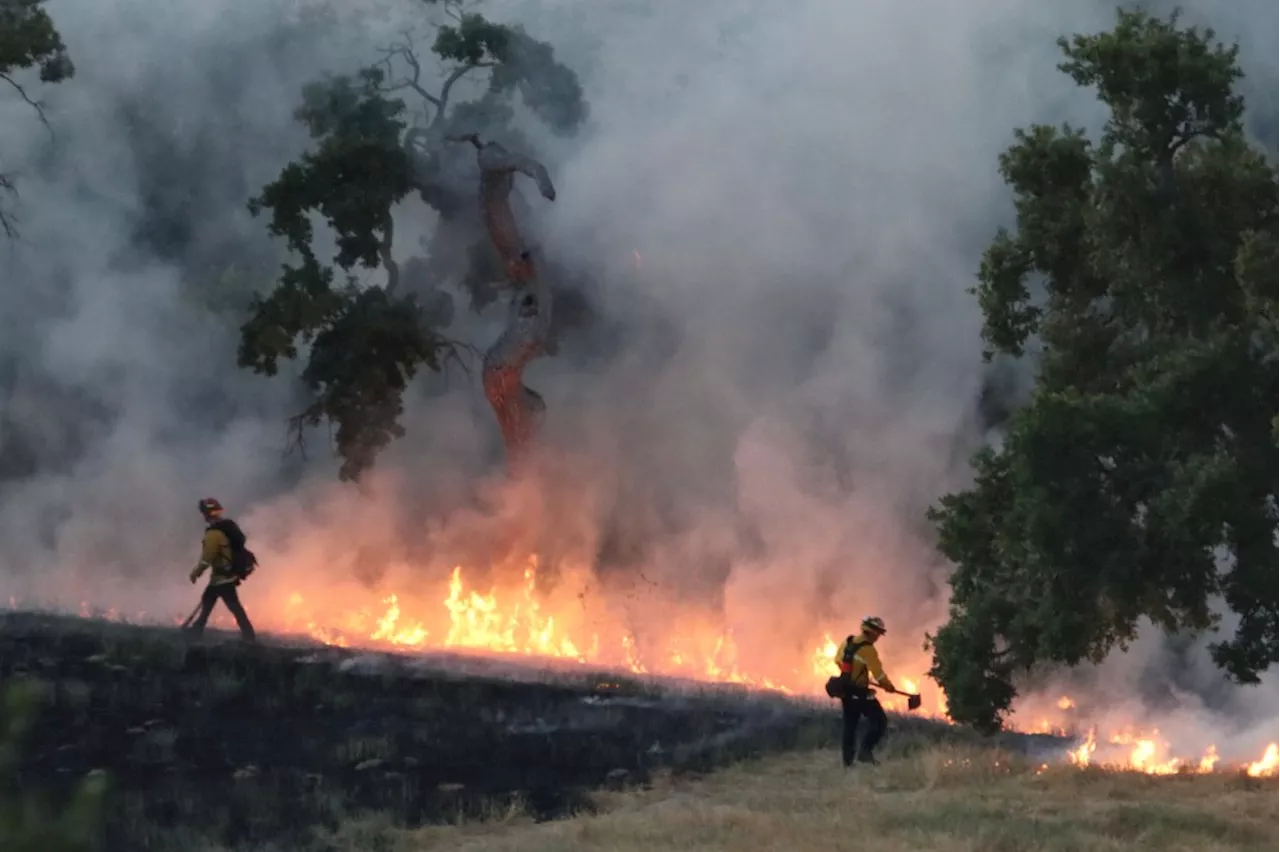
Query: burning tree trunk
pixel 518 408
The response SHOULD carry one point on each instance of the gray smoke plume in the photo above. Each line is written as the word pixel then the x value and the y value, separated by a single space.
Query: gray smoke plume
pixel 774 212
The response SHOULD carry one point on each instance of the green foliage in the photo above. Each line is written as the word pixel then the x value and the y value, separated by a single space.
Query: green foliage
pixel 28 39
pixel 1139 480
pixel 27 823
pixel 472 41
pixel 352 179
pixel 549 89
pixel 367 342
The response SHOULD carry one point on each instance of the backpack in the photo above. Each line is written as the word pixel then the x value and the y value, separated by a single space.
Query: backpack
pixel 840 685
pixel 243 561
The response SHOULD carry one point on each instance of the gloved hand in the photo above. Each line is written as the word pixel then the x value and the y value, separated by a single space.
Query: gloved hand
pixel 195 574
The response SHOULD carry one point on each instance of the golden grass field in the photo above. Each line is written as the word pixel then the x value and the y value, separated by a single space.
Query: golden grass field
pixel 945 798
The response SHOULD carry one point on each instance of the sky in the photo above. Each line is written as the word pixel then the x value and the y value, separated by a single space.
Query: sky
pixel 781 205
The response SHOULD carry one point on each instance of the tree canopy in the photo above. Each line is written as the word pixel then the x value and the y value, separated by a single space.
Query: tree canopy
pixel 1139 479
pixel 29 41
pixel 368 340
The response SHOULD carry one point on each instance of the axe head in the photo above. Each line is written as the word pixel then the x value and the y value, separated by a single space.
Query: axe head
pixel 913 702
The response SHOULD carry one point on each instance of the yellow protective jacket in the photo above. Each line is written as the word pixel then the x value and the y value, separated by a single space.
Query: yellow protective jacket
pixel 215 554
pixel 861 663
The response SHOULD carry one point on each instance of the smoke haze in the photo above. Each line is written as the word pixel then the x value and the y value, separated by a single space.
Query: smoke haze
pixel 777 207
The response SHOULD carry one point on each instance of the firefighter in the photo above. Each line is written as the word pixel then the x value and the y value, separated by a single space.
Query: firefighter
pixel 859 663
pixel 217 557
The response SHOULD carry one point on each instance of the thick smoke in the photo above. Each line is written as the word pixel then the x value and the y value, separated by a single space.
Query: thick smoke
pixel 777 207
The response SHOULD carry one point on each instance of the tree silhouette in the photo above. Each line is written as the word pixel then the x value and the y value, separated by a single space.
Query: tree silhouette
pixel 1140 478
pixel 368 340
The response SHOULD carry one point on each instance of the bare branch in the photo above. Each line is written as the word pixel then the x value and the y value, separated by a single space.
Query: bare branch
pixel 295 435
pixel 453 10
pixel 404 50
pixel 453 351
pixel 34 104
pixel 454 76
pixel 8 222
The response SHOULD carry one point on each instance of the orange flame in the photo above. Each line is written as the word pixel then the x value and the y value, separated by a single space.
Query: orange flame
pixel 520 618
pixel 1268 765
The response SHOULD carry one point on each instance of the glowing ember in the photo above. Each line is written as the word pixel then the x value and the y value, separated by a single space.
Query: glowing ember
pixel 1065 703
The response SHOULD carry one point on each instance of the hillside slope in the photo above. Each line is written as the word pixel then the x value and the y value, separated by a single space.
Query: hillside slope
pixel 937 799
pixel 215 743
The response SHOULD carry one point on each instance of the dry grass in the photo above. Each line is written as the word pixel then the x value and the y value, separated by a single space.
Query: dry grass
pixel 941 799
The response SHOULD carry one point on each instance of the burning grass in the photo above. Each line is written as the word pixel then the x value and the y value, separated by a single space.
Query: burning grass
pixel 213 743
pixel 213 746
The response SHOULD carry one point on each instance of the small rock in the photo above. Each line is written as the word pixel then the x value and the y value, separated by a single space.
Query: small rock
pixel 372 763
pixel 136 731
pixel 96 658
pixel 449 787
pixel 244 772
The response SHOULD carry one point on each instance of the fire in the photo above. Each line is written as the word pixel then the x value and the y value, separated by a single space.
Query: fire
pixel 1084 753
pixel 1148 752
pixel 1267 766
pixel 569 623
pixel 519 619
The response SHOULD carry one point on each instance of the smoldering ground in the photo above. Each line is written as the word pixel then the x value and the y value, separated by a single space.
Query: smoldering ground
pixel 774 211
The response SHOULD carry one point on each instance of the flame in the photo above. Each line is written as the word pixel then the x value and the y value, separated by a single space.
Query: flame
pixel 566 621
pixel 1148 752
pixel 520 619
pixel 1267 766
pixel 1084 753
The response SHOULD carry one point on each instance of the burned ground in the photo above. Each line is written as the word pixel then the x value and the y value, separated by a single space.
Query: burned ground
pixel 215 740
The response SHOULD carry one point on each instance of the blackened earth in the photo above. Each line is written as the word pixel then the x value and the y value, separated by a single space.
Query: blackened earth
pixel 266 743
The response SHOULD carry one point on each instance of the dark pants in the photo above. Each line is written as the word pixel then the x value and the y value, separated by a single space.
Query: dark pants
pixel 225 592
pixel 855 708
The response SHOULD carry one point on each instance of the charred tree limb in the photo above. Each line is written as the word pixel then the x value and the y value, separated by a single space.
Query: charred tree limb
pixel 518 408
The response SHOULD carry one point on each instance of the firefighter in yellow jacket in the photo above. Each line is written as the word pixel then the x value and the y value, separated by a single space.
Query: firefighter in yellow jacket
pixel 216 558
pixel 859 664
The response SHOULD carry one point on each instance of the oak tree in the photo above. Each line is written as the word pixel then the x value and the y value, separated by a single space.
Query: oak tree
pixel 367 337
pixel 1139 480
